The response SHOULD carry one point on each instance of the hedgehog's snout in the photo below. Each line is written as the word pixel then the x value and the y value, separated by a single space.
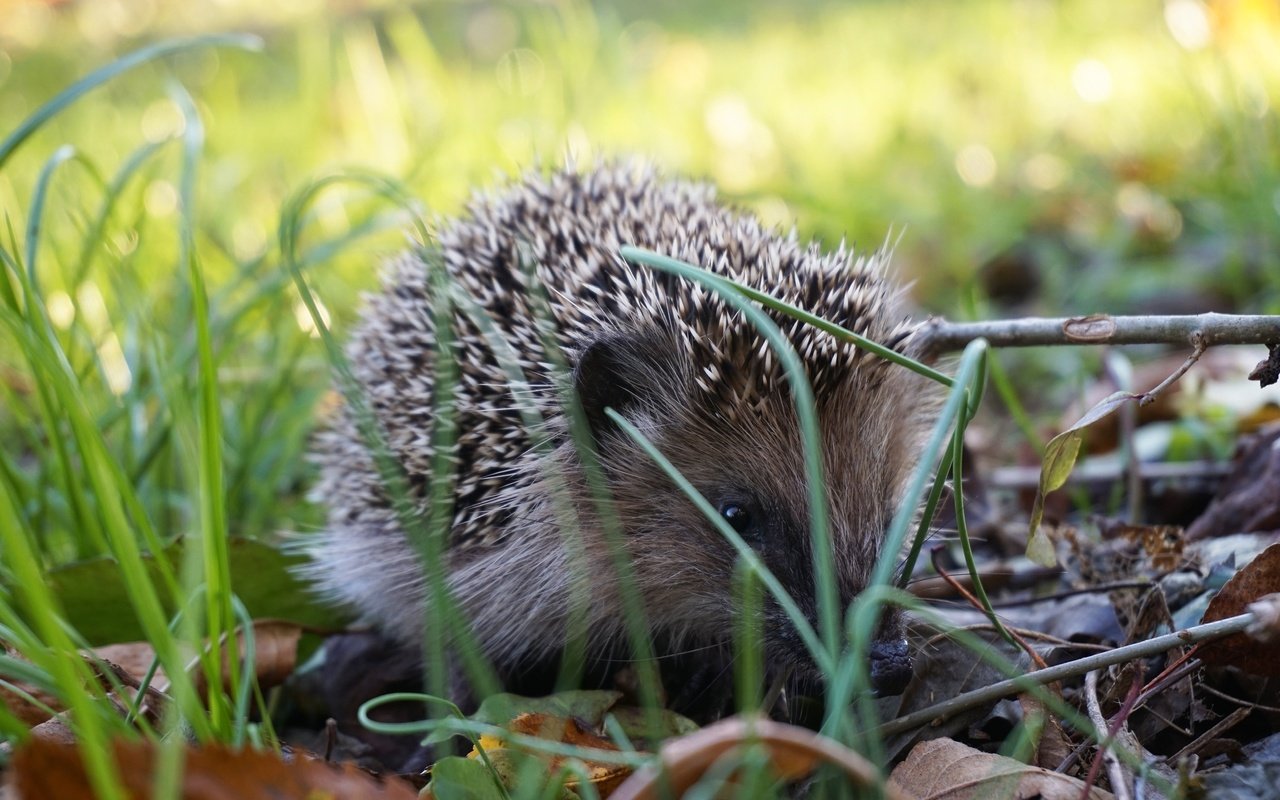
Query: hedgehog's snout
pixel 890 663
pixel 891 666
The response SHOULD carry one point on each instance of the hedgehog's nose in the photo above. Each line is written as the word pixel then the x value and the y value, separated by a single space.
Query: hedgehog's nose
pixel 890 666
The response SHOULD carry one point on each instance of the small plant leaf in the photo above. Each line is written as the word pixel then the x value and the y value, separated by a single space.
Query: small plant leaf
pixel 1059 459
pixel 588 706
pixel 458 778
pixel 96 602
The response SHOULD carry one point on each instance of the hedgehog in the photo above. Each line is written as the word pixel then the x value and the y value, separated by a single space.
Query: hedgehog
pixel 540 257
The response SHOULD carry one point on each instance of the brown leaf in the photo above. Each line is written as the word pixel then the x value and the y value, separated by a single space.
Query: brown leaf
pixel 135 658
pixel 43 769
pixel 21 707
pixel 603 776
pixel 944 769
pixel 105 659
pixel 1162 544
pixel 55 729
pixel 1053 747
pixel 275 653
pixel 793 752
pixel 1259 577
pixel 1268 369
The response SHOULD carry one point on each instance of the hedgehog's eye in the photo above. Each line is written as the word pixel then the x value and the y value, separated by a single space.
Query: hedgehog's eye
pixel 737 515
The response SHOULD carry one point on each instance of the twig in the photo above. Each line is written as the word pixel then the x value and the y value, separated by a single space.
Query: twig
pixel 1099 589
pixel 1115 772
pixel 1026 633
pixel 1197 342
pixel 1020 683
pixel 977 604
pixel 994 577
pixel 1181 667
pixel 941 336
pixel 1095 475
pixel 1240 701
pixel 1223 725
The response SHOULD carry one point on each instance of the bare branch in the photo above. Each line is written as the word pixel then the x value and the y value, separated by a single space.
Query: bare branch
pixel 942 336
pixel 1013 686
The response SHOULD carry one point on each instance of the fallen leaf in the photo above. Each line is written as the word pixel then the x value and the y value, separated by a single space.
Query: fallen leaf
pixel 275 653
pixel 18 697
pixel 944 769
pixel 1162 544
pixel 1052 747
pixel 42 769
pixel 510 761
pixel 135 659
pixel 793 753
pixel 1259 577
pixel 1248 500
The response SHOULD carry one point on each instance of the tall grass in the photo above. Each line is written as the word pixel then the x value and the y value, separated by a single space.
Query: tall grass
pixel 104 406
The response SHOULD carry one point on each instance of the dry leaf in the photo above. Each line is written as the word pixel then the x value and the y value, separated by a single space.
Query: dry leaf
pixel 1053 746
pixel 55 729
pixel 604 777
pixel 135 658
pixel 793 752
pixel 1259 577
pixel 29 713
pixel 944 769
pixel 275 653
pixel 1162 544
pixel 43 769
pixel 105 659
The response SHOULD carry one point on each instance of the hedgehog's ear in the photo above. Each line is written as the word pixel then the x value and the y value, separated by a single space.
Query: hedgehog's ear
pixel 620 371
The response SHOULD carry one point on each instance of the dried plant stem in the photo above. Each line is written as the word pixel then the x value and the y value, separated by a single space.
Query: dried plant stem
pixel 1222 726
pixel 1115 772
pixel 1211 329
pixel 1012 686
pixel 1197 341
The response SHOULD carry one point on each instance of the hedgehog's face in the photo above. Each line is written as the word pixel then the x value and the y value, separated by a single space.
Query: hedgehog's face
pixel 750 469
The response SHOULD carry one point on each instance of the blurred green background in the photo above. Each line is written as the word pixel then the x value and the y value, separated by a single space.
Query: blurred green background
pixel 1026 156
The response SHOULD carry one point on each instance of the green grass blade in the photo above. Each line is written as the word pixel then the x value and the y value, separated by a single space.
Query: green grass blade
pixel 852 677
pixel 93 80
pixel 871 346
pixel 92 240
pixel 90 718
pixel 806 411
pixel 219 615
